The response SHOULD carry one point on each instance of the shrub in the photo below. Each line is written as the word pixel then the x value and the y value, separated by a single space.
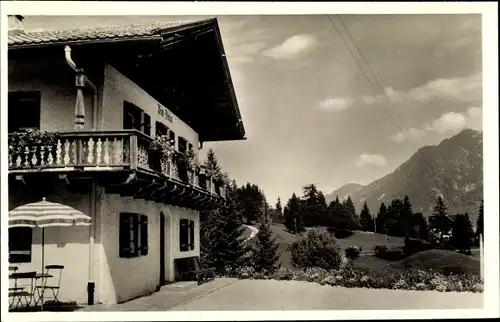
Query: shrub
pixel 414 246
pixel 390 254
pixel 340 233
pixel 316 249
pixel 350 276
pixel 352 252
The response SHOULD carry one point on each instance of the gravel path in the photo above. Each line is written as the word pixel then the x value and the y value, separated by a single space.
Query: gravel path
pixel 294 295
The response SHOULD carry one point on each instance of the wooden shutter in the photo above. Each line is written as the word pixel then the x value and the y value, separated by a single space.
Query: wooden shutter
pixel 191 234
pixel 183 235
pixel 146 129
pixel 124 235
pixel 134 235
pixel 20 240
pixel 144 235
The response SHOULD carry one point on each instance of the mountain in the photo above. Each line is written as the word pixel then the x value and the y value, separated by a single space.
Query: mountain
pixel 452 169
pixel 344 191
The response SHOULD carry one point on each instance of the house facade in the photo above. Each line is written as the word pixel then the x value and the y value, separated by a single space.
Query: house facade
pixel 86 109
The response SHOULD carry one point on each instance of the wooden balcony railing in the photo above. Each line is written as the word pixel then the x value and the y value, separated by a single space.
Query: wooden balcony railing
pixel 102 150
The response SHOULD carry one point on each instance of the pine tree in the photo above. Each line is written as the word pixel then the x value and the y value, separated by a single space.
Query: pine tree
pixel 349 206
pixel 381 218
pixel 220 234
pixel 462 233
pixel 293 215
pixel 406 219
pixel 265 253
pixel 212 164
pixel 314 206
pixel 278 206
pixel 366 219
pixel 440 220
pixel 480 221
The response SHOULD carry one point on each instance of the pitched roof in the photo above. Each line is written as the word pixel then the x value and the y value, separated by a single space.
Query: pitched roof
pixel 90 34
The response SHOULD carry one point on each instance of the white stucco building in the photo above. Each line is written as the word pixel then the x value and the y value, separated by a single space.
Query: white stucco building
pixel 170 79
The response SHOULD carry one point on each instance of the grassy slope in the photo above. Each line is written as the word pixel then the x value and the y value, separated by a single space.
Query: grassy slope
pixel 435 259
pixel 365 240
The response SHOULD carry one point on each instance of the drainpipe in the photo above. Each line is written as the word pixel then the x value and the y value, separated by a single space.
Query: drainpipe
pixel 81 82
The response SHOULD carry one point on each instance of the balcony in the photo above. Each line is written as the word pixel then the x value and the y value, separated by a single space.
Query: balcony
pixel 101 152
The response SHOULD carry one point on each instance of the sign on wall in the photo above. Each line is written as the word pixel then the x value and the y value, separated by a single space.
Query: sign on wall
pixel 164 113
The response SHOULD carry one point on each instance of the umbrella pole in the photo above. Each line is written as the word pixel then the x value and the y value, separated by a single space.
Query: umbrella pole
pixel 43 265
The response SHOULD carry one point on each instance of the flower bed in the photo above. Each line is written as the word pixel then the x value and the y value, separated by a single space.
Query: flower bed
pixel 350 276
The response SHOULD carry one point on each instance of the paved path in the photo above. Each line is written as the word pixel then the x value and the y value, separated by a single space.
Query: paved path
pixel 253 232
pixel 294 295
pixel 164 299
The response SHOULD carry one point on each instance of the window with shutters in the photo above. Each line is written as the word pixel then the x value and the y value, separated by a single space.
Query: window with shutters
pixel 135 118
pixel 161 129
pixel 186 235
pixel 20 241
pixel 171 136
pixel 133 235
pixel 182 145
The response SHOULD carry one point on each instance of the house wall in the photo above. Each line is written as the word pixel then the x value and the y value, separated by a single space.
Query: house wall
pixel 56 82
pixel 118 88
pixel 127 278
pixel 68 246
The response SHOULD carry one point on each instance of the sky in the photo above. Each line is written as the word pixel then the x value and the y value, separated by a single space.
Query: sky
pixel 320 110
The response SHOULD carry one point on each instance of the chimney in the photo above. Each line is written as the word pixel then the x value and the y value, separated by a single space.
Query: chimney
pixel 15 24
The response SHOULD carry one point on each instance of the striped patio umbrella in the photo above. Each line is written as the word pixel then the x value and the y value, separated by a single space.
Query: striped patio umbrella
pixel 46 214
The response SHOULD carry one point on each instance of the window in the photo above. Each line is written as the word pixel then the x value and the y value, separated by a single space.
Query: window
pixel 161 129
pixel 135 118
pixel 133 235
pixel 20 240
pixel 186 235
pixel 171 136
pixel 182 144
pixel 146 124
pixel 24 111
pixel 131 116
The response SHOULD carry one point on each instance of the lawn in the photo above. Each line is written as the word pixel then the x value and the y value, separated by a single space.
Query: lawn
pixel 367 241
pixel 435 259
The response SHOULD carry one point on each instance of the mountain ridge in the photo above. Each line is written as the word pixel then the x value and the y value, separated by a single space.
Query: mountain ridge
pixel 453 169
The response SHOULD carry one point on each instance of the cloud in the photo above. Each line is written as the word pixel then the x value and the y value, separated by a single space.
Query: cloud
pixel 448 122
pixel 292 47
pixel 410 134
pixel 374 160
pixel 336 104
pixel 463 89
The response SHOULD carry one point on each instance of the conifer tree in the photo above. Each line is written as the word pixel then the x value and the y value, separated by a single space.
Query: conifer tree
pixel 293 215
pixel 220 234
pixel 265 253
pixel 440 220
pixel 480 221
pixel 366 219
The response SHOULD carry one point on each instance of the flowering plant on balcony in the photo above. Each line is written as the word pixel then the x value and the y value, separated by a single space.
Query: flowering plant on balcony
pixel 163 146
pixel 192 161
pixel 18 141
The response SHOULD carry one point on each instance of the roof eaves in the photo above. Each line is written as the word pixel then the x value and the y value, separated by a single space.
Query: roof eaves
pixel 84 42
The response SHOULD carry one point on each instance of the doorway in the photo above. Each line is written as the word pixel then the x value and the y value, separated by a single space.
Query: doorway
pixel 162 249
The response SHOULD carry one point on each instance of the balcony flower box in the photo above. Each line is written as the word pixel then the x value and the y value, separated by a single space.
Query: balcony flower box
pixel 202 177
pixel 192 166
pixel 160 151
